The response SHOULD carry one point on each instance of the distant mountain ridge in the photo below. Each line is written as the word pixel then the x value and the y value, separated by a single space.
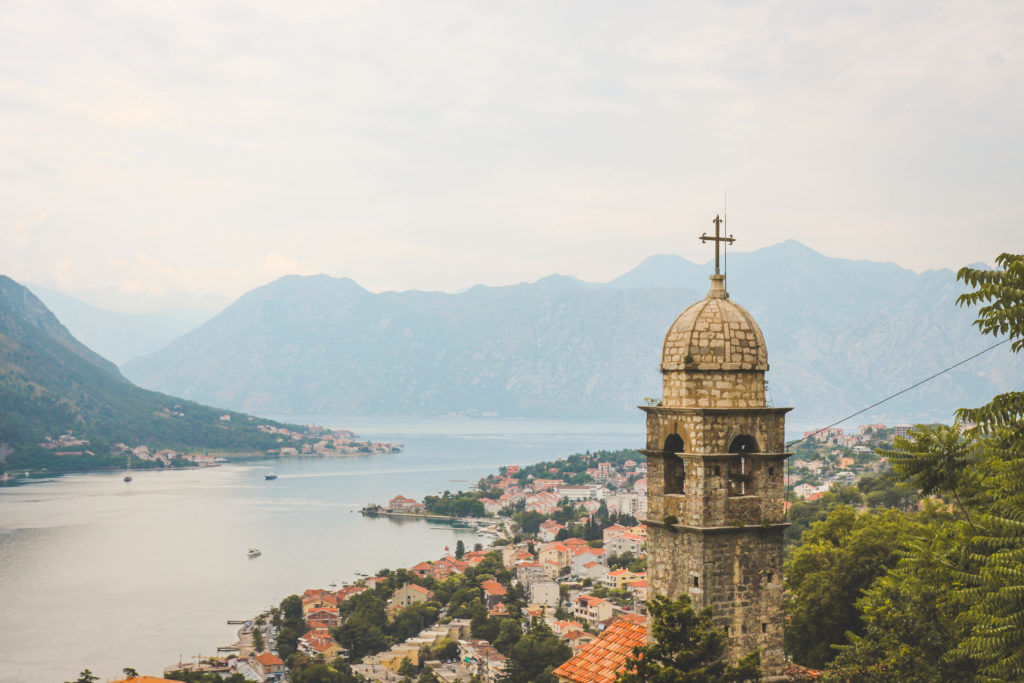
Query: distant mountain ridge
pixel 51 383
pixel 841 334
pixel 117 336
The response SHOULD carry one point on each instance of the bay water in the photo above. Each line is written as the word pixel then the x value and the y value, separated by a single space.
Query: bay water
pixel 101 574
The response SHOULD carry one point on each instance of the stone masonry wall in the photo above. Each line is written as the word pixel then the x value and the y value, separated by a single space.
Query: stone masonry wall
pixel 712 389
pixel 736 573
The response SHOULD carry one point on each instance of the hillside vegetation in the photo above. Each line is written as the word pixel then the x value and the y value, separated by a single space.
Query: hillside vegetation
pixel 51 384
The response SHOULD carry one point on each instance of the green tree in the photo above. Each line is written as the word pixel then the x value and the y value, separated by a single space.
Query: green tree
pixel 460 549
pixel 361 637
pixel 129 672
pixel 203 677
pixel 529 521
pixel 687 648
pixel 446 650
pixel 86 677
pixel 257 639
pixel 292 626
pixel 509 633
pixel 838 559
pixel 411 620
pixel 996 596
pixel 937 460
pixel 407 669
pixel 910 614
pixel 428 676
pixel 536 655
pixel 319 672
pixel 481 625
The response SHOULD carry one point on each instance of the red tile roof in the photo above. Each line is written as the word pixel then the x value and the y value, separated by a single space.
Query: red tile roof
pixel 269 659
pixel 601 660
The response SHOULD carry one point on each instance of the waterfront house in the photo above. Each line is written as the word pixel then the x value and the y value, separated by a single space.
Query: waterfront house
pixel 585 555
pixel 625 543
pixel 410 594
pixel 618 578
pixel 595 571
pixel 545 503
pixel 592 610
pixel 423 569
pixel 491 506
pixel 319 642
pixel 268 666
pixel 402 504
pixel 494 592
pixel 549 530
pixel 323 617
pixel 557 552
pixel 348 591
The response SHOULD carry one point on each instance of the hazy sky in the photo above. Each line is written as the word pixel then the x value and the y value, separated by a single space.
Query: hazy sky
pixel 213 146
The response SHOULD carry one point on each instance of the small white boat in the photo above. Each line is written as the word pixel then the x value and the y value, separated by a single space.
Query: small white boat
pixel 270 477
pixel 254 552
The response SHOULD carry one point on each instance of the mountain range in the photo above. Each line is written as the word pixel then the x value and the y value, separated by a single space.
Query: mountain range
pixel 50 384
pixel 841 335
pixel 118 336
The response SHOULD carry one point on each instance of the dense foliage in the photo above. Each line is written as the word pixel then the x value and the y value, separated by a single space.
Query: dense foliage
pixel 936 594
pixel 456 505
pixel 535 655
pixel 687 648
pixel 573 470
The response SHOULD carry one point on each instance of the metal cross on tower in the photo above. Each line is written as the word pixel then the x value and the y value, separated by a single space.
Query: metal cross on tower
pixel 717 239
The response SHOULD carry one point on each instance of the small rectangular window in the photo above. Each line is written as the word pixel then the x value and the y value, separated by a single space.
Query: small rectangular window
pixel 696 582
pixel 764 628
pixel 771 471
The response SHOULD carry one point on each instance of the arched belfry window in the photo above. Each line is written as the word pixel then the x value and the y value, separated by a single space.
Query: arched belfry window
pixel 675 467
pixel 744 444
pixel 674 444
pixel 741 481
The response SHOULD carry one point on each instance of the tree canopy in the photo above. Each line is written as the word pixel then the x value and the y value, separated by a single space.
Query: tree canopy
pixel 941 596
pixel 687 648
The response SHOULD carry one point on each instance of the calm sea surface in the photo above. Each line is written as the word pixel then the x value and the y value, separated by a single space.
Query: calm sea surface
pixel 96 573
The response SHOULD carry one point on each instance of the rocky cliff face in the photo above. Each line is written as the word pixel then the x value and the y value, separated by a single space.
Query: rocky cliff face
pixel 840 335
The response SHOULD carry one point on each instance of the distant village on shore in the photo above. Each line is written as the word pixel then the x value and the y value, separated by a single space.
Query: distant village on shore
pixel 316 441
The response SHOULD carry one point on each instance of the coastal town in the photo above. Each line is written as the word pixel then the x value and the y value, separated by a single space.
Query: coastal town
pixel 311 441
pixel 561 562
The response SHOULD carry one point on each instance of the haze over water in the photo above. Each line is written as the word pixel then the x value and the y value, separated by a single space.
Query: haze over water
pixel 101 574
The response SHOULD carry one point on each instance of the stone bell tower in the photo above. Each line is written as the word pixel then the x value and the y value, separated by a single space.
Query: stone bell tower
pixel 715 475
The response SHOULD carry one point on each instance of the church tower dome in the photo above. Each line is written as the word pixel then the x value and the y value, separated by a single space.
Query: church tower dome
pixel 714 355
